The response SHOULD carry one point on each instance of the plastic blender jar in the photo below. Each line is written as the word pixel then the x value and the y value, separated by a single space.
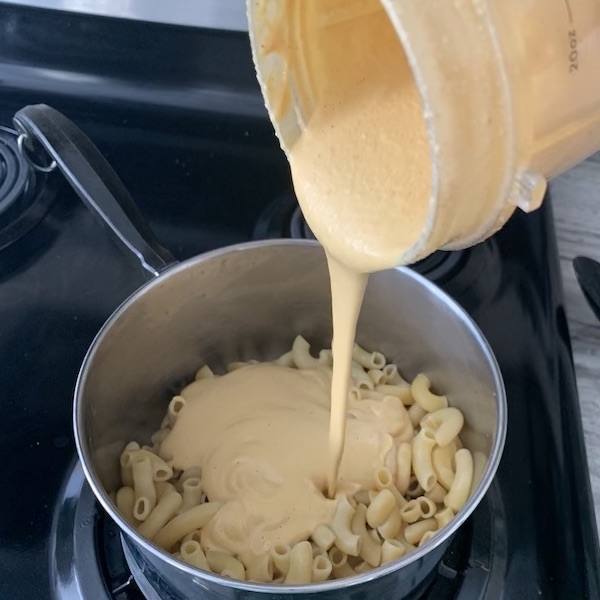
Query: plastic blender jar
pixel 510 92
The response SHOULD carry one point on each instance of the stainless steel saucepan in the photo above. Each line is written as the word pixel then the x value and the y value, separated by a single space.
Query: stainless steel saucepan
pixel 249 301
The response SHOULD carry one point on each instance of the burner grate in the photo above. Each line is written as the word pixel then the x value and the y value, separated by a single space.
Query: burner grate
pixel 15 174
pixel 25 194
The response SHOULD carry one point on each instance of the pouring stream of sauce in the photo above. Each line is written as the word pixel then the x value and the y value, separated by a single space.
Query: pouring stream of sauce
pixel 361 166
pixel 362 176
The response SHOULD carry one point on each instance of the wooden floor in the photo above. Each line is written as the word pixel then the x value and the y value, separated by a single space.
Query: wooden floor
pixel 576 202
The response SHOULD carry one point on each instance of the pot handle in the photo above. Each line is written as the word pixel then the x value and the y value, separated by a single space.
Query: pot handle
pixel 92 178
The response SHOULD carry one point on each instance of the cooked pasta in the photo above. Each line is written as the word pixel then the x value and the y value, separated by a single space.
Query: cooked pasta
pixel 436 494
pixel 363 497
pixel 384 481
pixel 163 488
pixel 191 552
pixel 461 486
pixel 444 516
pixel 321 568
pixel 204 372
pixel 225 564
pixel 192 472
pixel 445 424
pixel 301 355
pixel 362 567
pixel 143 485
pixel 341 525
pixel 411 512
pixel 403 466
pixel 161 471
pixel 158 438
pixel 323 536
pixel 339 564
pixel 442 461
pixel 381 508
pixel 414 489
pixel 391 550
pixel 316 551
pixel 422 459
pixel 301 560
pixel 361 379
pixel 416 412
pixel 390 528
pixel 369 360
pixel 192 493
pixel 195 535
pixel 398 391
pixel 234 366
pixel 426 537
pixel 425 478
pixel 175 406
pixel 182 524
pixel 376 375
pixel 125 500
pixel 370 550
pixel 280 554
pixel 392 375
pixel 125 463
pixel 415 531
pixel 161 514
pixel 424 397
pixel 286 360
pixel 260 569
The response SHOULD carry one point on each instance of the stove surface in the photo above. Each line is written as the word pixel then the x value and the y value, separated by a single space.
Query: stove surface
pixel 194 147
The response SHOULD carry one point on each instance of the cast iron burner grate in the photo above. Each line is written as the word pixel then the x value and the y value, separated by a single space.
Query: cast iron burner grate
pixel 25 194
pixel 92 560
pixel 13 170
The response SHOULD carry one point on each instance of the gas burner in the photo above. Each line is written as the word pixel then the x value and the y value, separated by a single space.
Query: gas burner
pixel 299 228
pixel 14 172
pixel 92 559
pixel 284 219
pixel 25 193
pixel 87 557
pixel 275 220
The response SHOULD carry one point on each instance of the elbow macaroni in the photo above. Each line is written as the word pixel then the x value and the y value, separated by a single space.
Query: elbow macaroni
pixel 426 478
pixel 321 568
pixel 422 460
pixel 341 525
pixel 301 561
pixel 370 550
pixel 461 486
pixel 424 397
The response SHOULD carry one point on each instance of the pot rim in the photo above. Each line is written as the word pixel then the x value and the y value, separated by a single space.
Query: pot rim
pixel 449 530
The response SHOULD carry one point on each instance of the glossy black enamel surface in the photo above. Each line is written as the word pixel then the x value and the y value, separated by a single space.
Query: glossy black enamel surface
pixel 192 144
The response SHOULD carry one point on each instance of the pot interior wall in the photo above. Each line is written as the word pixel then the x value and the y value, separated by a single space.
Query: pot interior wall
pixel 250 303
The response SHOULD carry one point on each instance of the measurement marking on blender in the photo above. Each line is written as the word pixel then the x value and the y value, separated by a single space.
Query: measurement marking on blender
pixel 573 51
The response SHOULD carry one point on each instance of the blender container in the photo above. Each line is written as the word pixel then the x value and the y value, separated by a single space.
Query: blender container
pixel 510 93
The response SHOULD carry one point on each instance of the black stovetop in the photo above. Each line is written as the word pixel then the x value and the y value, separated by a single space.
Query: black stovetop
pixel 192 143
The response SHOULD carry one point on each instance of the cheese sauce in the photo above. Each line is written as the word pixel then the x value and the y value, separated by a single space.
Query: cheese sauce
pixel 260 436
